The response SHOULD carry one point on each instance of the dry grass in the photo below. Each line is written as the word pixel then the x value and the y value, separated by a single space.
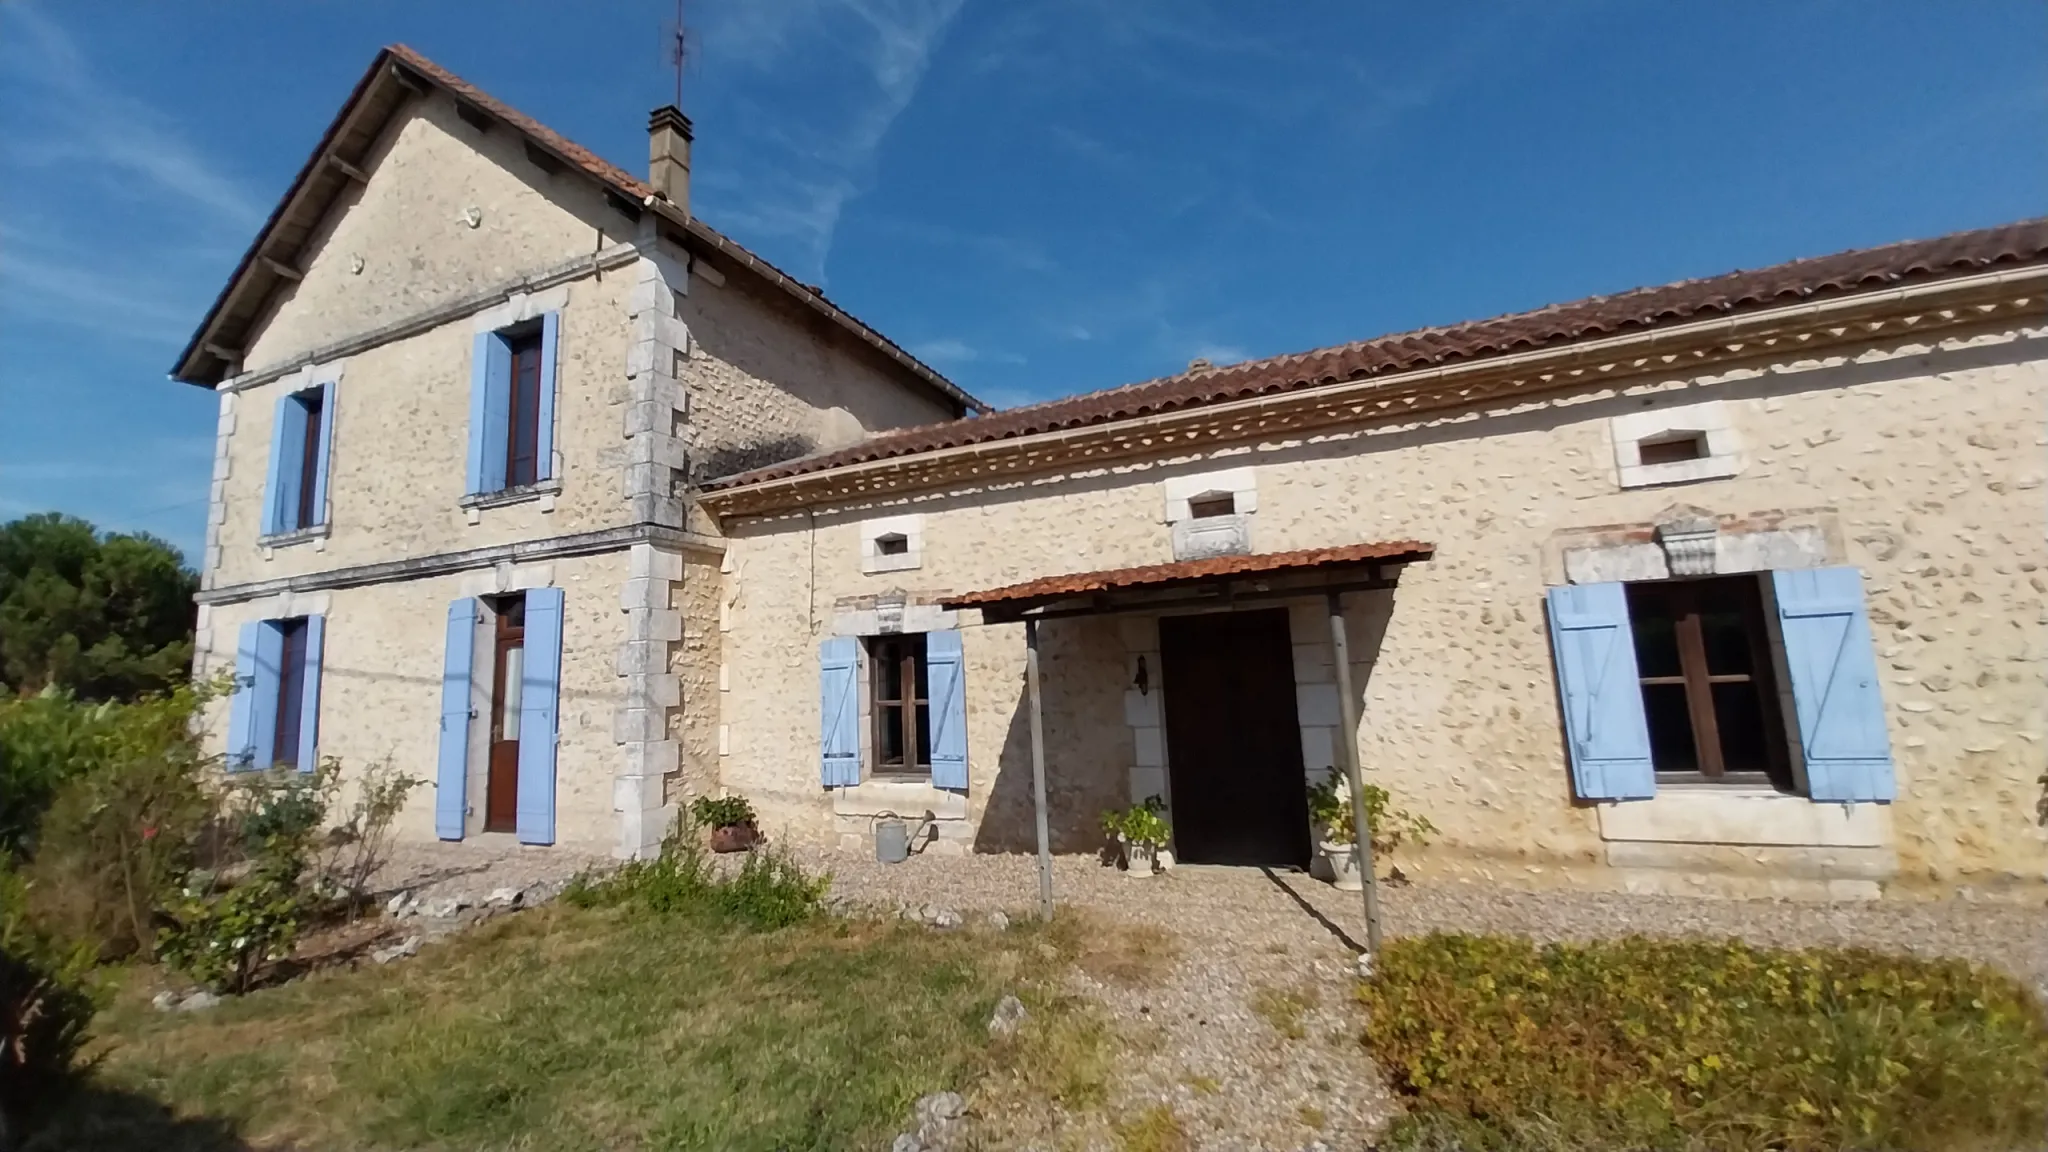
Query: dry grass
pixel 573 1029
pixel 1156 1129
pixel 1284 1008
pixel 1128 954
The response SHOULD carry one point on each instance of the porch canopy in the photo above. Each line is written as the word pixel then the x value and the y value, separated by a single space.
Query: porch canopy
pixel 1212 582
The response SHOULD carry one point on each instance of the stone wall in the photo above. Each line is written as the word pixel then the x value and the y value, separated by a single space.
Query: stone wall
pixel 1923 465
pixel 769 381
pixel 380 680
pixel 403 243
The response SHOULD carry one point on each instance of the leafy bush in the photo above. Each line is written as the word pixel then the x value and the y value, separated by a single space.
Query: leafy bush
pixel 722 811
pixel 1644 1044
pixel 1141 823
pixel 770 889
pixel 223 928
pixel 1329 809
pixel 360 842
pixel 46 1003
pixel 124 817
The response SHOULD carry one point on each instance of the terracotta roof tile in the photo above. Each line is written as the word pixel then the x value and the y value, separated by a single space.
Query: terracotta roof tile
pixel 1192 571
pixel 1590 318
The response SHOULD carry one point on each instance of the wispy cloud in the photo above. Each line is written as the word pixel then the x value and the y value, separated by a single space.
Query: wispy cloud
pixel 951 351
pixel 67 116
pixel 799 177
pixel 1218 354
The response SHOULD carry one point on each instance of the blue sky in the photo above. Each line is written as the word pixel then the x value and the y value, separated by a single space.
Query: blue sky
pixel 1039 197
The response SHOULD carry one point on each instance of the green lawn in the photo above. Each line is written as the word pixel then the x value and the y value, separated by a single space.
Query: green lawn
pixel 566 1029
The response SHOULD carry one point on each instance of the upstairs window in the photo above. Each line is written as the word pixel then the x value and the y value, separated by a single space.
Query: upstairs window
pixel 512 407
pixel 295 491
pixel 1211 504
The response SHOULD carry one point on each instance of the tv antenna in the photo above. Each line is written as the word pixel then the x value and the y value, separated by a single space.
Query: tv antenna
pixel 676 49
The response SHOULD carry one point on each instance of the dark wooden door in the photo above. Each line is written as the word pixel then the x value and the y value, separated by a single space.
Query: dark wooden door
pixel 501 787
pixel 1233 741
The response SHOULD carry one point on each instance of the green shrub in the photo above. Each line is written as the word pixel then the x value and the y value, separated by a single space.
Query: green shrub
pixel 360 841
pixel 1141 823
pixel 222 929
pixel 769 890
pixel 1329 809
pixel 44 741
pixel 722 811
pixel 1645 1044
pixel 119 833
pixel 46 1003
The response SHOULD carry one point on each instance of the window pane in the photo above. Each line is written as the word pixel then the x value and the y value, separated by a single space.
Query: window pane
pixel 888 671
pixel 291 691
pixel 1739 715
pixel 889 734
pixel 1671 746
pixel 1724 626
pixel 523 447
pixel 1649 618
pixel 515 670
pixel 924 735
pixel 923 674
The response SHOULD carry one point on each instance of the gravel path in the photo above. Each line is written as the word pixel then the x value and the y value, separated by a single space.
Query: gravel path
pixel 1251 1037
pixel 474 869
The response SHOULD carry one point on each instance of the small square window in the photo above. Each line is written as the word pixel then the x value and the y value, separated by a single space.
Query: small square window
pixel 1673 449
pixel 1210 504
pixel 892 544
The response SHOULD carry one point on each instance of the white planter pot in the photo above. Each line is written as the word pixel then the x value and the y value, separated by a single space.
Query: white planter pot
pixel 1140 859
pixel 1342 862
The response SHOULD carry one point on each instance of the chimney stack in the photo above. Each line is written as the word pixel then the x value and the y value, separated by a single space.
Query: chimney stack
pixel 668 155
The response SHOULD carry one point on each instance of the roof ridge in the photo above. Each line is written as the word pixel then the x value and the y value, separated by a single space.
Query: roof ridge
pixel 1674 302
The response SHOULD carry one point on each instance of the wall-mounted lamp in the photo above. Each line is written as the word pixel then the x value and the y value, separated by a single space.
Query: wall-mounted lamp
pixel 1143 681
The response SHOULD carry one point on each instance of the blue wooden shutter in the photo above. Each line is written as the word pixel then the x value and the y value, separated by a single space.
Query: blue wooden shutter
pixel 451 779
pixel 1833 667
pixel 327 391
pixel 275 506
pixel 242 705
pixel 540 693
pixel 309 699
pixel 263 698
pixel 1605 729
pixel 839 710
pixel 490 411
pixel 947 690
pixel 550 330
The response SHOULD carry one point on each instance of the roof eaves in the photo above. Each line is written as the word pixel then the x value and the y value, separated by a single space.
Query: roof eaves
pixel 569 152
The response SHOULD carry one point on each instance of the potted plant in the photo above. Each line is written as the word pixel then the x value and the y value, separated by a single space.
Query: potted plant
pixel 1329 808
pixel 731 820
pixel 1141 831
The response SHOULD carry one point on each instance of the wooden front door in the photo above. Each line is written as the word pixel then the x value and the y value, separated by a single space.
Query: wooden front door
pixel 1233 740
pixel 501 790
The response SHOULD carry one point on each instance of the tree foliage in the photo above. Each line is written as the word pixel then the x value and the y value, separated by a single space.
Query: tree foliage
pixel 101 616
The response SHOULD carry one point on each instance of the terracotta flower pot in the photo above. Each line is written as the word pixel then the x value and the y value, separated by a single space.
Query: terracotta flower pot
pixel 734 837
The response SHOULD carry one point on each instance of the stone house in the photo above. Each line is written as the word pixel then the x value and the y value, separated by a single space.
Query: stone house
pixel 1736 585
pixel 530 482
pixel 469 375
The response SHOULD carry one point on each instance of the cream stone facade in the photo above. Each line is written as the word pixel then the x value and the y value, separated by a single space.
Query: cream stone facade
pixel 667 350
pixel 758 546
pixel 1918 462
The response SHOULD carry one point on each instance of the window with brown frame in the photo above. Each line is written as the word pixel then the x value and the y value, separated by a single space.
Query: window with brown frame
pixel 900 691
pixel 291 691
pixel 309 511
pixel 1210 504
pixel 1709 683
pixel 522 439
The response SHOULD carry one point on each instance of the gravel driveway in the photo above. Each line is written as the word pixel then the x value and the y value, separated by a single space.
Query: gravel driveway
pixel 1251 1038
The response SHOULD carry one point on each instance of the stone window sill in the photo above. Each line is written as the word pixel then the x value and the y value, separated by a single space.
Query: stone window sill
pixel 317 532
pixel 908 798
pixel 545 492
pixel 1734 815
